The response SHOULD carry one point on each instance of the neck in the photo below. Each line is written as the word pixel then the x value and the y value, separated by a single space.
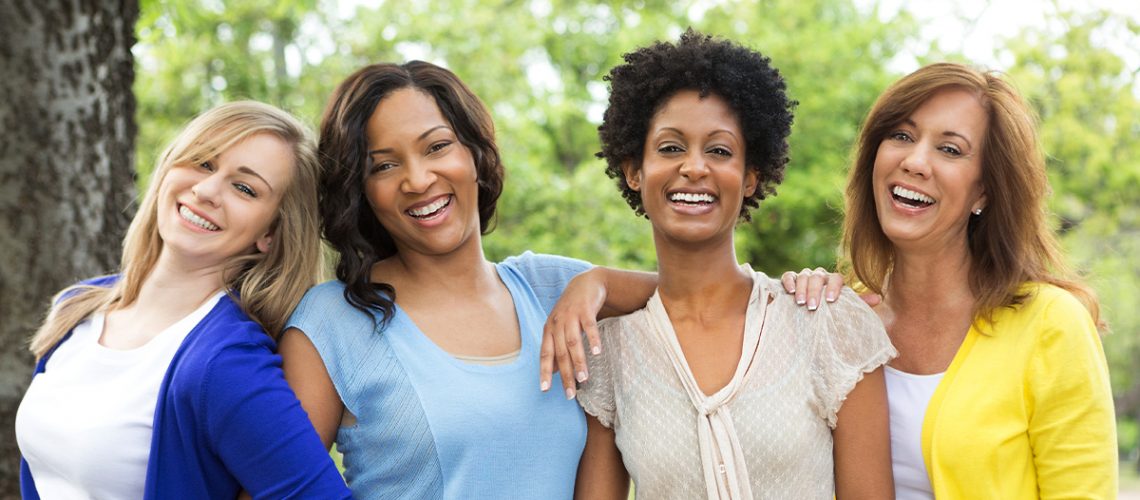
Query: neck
pixel 178 285
pixel 925 281
pixel 701 277
pixel 466 269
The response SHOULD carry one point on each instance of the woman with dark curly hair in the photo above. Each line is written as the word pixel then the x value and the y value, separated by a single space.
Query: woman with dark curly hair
pixel 721 387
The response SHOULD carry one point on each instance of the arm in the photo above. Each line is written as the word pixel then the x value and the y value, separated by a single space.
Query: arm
pixel 595 294
pixel 306 374
pixel 862 442
pixel 260 432
pixel 1072 428
pixel 601 473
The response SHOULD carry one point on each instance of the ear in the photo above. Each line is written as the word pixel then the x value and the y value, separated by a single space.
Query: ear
pixel 263 243
pixel 632 175
pixel 751 180
pixel 980 204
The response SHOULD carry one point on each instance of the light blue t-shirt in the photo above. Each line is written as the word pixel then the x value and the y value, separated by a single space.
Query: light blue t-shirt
pixel 431 426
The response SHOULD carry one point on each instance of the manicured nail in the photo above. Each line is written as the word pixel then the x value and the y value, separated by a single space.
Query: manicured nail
pixel 812 305
pixel 799 301
pixel 596 350
pixel 569 393
pixel 545 386
pixel 831 296
pixel 581 376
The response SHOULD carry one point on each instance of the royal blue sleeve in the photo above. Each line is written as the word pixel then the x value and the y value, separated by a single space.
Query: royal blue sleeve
pixel 259 429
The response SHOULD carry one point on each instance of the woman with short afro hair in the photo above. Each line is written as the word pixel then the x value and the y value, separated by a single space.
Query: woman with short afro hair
pixel 721 387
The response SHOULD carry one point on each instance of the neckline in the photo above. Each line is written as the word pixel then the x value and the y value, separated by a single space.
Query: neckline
pixel 183 325
pixel 753 336
pixel 421 339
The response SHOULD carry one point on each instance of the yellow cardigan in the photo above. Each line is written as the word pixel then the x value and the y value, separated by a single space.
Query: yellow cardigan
pixel 1025 408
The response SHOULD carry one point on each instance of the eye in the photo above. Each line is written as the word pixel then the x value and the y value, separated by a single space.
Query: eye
pixel 245 189
pixel 438 146
pixel 950 149
pixel 207 166
pixel 670 149
pixel 375 167
pixel 899 135
pixel 720 151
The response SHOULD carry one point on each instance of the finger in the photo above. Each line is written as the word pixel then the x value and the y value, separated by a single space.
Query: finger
pixel 592 336
pixel 802 286
pixel 565 368
pixel 572 332
pixel 788 279
pixel 834 286
pixel 546 358
pixel 816 280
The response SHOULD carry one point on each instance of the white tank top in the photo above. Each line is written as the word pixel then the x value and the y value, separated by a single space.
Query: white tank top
pixel 907 396
pixel 85 424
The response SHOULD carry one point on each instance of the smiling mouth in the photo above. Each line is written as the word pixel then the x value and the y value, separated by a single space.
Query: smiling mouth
pixel 910 198
pixel 189 216
pixel 431 209
pixel 692 199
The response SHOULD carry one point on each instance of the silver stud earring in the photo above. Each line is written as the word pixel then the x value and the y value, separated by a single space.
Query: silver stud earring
pixel 977 211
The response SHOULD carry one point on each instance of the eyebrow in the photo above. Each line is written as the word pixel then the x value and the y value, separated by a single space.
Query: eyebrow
pixel 246 170
pixel 420 138
pixel 714 132
pixel 949 133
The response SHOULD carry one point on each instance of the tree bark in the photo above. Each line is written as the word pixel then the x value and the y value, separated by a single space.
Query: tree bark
pixel 66 169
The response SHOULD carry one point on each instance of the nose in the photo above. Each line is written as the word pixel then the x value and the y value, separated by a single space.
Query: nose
pixel 917 162
pixel 207 189
pixel 694 165
pixel 418 178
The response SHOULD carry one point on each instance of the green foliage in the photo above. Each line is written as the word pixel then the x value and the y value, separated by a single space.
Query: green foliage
pixel 538 64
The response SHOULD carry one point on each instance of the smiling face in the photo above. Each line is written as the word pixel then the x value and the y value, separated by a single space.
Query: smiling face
pixel 928 171
pixel 420 180
pixel 225 207
pixel 693 179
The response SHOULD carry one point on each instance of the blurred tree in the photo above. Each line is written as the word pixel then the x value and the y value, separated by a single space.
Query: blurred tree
pixel 1090 125
pixel 66 158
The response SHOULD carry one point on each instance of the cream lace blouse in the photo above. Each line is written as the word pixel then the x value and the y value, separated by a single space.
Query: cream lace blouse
pixel 767 434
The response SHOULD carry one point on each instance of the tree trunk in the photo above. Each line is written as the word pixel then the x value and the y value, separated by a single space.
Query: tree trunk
pixel 66 169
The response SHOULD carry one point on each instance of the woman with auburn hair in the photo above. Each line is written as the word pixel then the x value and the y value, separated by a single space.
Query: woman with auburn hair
pixel 1001 388
pixel 161 381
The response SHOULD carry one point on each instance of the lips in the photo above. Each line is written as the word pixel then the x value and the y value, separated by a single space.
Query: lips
pixel 911 198
pixel 190 216
pixel 429 209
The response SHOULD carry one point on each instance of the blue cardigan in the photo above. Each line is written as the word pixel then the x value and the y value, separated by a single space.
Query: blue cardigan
pixel 226 420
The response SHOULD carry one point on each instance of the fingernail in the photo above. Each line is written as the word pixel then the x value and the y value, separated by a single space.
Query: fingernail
pixel 545 386
pixel 812 305
pixel 831 296
pixel 596 350
pixel 581 376
pixel 569 393
pixel 799 301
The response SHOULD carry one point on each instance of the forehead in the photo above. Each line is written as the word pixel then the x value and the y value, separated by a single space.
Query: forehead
pixel 407 111
pixel 953 109
pixel 687 109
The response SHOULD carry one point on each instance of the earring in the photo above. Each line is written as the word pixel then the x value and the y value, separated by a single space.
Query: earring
pixel 977 211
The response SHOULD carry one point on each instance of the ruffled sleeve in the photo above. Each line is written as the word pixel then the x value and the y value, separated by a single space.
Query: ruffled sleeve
pixel 851 343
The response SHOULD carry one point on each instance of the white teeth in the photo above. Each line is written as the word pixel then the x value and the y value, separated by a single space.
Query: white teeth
pixel 911 195
pixel 431 208
pixel 692 197
pixel 193 218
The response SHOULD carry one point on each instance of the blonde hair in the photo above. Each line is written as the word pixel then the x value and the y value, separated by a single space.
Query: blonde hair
pixel 1011 242
pixel 267 286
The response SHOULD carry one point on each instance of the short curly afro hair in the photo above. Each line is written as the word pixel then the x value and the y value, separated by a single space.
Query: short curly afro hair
pixel 744 78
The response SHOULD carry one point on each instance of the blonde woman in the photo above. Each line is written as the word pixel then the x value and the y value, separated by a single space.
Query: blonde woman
pixel 161 381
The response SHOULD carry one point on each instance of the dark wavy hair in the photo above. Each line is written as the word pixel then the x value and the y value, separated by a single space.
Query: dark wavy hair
pixel 346 217
pixel 744 78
